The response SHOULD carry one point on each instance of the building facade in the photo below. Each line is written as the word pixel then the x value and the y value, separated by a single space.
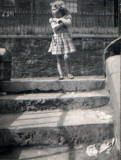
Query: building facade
pixel 31 16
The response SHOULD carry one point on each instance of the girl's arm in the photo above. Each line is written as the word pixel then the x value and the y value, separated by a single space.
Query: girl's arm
pixel 55 26
pixel 66 20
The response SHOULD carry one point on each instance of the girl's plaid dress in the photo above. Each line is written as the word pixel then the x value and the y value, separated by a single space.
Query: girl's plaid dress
pixel 61 39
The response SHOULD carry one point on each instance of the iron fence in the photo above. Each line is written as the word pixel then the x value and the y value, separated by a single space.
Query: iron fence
pixel 25 22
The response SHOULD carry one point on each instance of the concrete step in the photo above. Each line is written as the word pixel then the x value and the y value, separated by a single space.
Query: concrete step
pixel 25 85
pixel 56 127
pixel 55 153
pixel 71 100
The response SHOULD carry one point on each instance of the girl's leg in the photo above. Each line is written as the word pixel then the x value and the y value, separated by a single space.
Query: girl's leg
pixel 59 66
pixel 68 66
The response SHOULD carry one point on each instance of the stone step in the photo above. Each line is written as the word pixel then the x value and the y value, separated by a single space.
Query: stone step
pixel 25 85
pixel 56 127
pixel 41 101
pixel 55 153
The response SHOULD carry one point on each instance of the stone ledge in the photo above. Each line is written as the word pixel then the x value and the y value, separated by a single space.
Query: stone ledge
pixel 56 128
pixel 42 101
pixel 52 84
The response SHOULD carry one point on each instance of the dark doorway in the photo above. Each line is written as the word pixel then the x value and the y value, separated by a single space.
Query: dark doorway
pixel 115 13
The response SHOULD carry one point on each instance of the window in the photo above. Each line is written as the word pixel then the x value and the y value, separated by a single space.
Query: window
pixel 116 12
pixel 7 3
pixel 7 8
pixel 72 5
pixel 43 6
pixel 24 5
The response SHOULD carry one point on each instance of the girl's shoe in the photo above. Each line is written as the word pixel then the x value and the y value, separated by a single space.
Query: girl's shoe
pixel 61 77
pixel 70 76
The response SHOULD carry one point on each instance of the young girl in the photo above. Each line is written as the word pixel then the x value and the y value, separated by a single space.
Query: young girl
pixel 61 45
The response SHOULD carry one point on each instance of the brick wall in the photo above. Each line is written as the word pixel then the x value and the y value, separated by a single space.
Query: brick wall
pixel 31 59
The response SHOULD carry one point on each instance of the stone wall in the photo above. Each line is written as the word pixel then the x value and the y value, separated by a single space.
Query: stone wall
pixel 30 57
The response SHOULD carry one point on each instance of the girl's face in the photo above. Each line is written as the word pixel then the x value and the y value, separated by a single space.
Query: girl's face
pixel 56 6
pixel 55 9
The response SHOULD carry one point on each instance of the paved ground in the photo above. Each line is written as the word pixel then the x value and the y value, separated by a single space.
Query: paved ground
pixel 82 152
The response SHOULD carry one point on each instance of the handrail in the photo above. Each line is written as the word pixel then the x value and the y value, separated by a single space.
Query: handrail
pixel 114 48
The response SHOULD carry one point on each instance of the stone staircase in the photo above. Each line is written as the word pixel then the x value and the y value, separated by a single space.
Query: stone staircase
pixel 47 119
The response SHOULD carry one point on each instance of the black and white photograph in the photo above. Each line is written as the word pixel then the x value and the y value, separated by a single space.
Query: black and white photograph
pixel 60 79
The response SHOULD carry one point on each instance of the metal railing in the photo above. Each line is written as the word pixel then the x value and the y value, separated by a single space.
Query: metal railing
pixel 24 22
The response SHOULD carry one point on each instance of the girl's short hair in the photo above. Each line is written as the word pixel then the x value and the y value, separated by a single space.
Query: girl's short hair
pixel 61 6
pixel 59 3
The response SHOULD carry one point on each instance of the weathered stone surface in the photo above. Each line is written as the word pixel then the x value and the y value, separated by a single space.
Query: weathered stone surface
pixel 30 57
pixel 71 100
pixel 53 84
pixel 56 128
pixel 114 85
